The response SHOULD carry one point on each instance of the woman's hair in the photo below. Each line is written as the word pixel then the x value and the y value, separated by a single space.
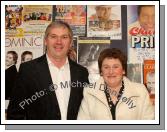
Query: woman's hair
pixel 113 53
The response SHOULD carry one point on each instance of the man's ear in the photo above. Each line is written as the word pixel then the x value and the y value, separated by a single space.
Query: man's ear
pixel 71 43
pixel 44 42
pixel 124 72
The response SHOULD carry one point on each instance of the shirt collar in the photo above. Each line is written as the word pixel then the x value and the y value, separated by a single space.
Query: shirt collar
pixel 50 62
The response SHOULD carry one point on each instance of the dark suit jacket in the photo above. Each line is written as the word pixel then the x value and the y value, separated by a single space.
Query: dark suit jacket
pixel 10 77
pixel 32 98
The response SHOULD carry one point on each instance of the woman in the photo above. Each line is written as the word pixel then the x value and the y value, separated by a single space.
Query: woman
pixel 114 96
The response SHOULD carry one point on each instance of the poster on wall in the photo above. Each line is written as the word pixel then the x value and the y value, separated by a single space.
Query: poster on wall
pixel 74 15
pixel 149 75
pixel 141 24
pixel 104 21
pixel 88 52
pixel 135 72
pixel 19 50
pixel 149 78
pixel 27 48
pixel 36 18
pixel 13 20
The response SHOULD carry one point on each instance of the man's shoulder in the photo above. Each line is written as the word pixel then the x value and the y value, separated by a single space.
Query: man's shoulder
pixel 12 69
pixel 33 63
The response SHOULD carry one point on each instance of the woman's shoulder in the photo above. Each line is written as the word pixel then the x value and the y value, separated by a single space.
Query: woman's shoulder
pixel 95 88
pixel 138 88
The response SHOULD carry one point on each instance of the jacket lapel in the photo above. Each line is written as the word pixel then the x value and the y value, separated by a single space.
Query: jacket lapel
pixel 99 93
pixel 44 76
pixel 129 92
pixel 73 93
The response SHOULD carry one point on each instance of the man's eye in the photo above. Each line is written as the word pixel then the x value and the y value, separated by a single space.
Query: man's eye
pixel 53 36
pixel 65 36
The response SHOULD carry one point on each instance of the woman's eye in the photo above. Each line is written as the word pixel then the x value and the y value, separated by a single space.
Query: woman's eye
pixel 115 67
pixel 106 67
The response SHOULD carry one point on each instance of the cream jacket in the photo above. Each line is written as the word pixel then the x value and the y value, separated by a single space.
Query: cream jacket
pixel 134 103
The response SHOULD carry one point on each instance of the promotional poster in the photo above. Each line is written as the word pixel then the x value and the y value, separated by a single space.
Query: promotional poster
pixel 104 21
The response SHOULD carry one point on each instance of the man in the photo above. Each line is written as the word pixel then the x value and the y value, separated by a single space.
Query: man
pixel 10 72
pixel 103 13
pixel 104 16
pixel 150 82
pixel 26 56
pixel 50 87
pixel 146 18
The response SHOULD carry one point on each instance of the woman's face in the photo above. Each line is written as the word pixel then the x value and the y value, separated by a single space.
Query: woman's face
pixel 112 72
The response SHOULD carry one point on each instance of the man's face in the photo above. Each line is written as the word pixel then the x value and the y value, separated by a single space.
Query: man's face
pixel 116 24
pixel 27 57
pixel 147 17
pixel 9 60
pixel 103 13
pixel 151 82
pixel 58 42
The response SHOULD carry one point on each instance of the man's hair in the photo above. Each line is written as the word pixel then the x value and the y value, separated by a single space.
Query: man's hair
pixel 15 55
pixel 24 54
pixel 102 6
pixel 139 8
pixel 58 24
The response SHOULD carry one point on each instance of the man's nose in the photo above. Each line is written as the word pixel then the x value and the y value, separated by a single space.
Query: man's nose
pixel 151 21
pixel 59 40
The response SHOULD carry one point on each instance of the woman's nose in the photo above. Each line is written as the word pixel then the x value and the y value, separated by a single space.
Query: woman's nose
pixel 111 70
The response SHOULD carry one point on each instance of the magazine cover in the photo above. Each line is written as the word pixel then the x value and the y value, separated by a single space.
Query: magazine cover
pixel 104 21
pixel 141 24
pixel 88 53
pixel 30 44
pixel 36 18
pixel 135 72
pixel 19 50
pixel 13 20
pixel 75 15
pixel 149 77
